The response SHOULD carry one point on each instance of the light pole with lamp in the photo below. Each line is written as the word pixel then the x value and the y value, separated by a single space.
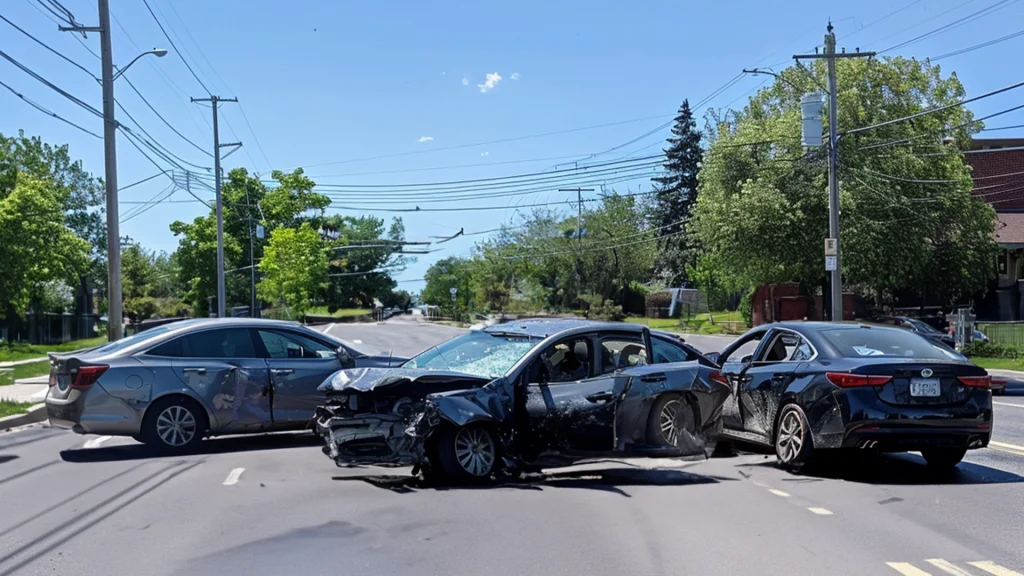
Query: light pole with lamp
pixel 114 303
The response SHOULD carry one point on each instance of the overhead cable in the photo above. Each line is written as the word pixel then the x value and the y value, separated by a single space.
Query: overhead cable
pixel 47 111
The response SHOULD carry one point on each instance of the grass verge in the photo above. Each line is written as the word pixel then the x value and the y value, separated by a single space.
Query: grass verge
pixel 13 408
pixel 998 363
pixel 14 351
pixel 41 368
pixel 723 323
pixel 322 311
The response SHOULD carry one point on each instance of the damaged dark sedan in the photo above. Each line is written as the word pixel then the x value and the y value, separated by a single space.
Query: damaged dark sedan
pixel 525 396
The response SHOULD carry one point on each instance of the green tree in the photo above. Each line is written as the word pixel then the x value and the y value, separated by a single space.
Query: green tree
pixel 676 194
pixel 442 276
pixel 35 245
pixel 762 210
pixel 294 266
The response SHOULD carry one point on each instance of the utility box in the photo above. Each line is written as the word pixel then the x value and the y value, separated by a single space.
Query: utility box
pixel 812 108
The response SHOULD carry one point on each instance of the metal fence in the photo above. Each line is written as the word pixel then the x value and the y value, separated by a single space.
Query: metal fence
pixel 52 328
pixel 1003 333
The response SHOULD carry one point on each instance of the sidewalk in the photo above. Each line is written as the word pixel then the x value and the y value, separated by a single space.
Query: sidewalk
pixel 20 362
pixel 31 392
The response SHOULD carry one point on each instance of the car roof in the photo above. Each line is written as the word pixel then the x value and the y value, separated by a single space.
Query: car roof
pixel 545 327
pixel 817 326
pixel 191 323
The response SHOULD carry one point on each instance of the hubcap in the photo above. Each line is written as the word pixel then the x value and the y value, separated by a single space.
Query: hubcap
pixel 176 426
pixel 791 437
pixel 474 450
pixel 671 421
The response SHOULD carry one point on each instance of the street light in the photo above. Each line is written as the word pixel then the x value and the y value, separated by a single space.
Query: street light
pixel 158 52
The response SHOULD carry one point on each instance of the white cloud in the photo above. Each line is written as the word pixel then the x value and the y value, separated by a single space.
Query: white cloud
pixel 492 80
pixel 514 76
pixel 444 73
pixel 465 81
pixel 485 153
pixel 425 139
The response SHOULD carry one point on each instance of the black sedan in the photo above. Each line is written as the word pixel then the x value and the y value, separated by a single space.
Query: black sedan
pixel 804 387
pixel 526 395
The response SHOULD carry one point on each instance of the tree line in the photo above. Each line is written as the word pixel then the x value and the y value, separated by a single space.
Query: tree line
pixel 742 203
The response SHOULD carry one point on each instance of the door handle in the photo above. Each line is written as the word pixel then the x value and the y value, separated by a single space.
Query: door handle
pixel 196 370
pixel 600 397
pixel 281 371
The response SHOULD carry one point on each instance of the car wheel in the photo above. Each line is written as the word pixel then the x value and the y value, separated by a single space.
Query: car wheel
pixel 671 419
pixel 943 458
pixel 793 443
pixel 468 453
pixel 176 424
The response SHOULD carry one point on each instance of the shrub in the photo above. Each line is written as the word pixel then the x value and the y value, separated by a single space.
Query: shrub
pixel 657 304
pixel 600 309
pixel 989 350
pixel 747 307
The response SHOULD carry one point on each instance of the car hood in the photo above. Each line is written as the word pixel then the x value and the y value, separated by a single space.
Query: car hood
pixel 367 379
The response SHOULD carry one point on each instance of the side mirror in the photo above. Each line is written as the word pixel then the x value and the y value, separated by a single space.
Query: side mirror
pixel 345 358
pixel 747 359
pixel 713 356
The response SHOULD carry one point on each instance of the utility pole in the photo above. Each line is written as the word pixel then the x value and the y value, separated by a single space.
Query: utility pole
pixel 833 263
pixel 213 100
pixel 579 230
pixel 252 257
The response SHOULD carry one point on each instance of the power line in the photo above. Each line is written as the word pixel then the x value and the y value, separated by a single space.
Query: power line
pixel 146 179
pixel 450 167
pixel 947 130
pixel 478 208
pixel 147 156
pixel 887 16
pixel 47 111
pixel 598 249
pixel 1003 128
pixel 954 24
pixel 149 204
pixel 49 84
pixel 977 46
pixel 44 45
pixel 176 51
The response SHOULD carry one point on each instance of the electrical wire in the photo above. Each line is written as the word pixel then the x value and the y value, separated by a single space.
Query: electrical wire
pixel 149 204
pixel 176 51
pixel 954 24
pixel 478 208
pixel 44 45
pixel 957 127
pixel 47 111
pixel 887 16
pixel 144 180
pixel 598 249
pixel 50 85
pixel 147 156
pixel 1003 128
pixel 977 46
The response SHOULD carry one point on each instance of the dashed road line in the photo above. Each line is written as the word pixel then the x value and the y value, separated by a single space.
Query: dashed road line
pixel 993 568
pixel 357 341
pixel 96 442
pixel 907 569
pixel 821 511
pixel 1008 404
pixel 947 567
pixel 779 493
pixel 1007 446
pixel 233 476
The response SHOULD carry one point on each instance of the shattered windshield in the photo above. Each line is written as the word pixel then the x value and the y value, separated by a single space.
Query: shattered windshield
pixel 489 355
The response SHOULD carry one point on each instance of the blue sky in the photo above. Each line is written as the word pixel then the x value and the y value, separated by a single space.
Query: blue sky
pixel 326 83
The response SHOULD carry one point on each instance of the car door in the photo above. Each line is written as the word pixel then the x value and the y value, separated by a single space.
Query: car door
pixel 223 368
pixel 569 406
pixel 735 361
pixel 765 379
pixel 298 365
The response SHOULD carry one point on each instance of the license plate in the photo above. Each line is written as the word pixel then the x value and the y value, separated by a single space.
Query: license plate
pixel 927 387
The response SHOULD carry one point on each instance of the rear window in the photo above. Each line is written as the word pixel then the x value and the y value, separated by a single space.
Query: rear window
pixel 873 342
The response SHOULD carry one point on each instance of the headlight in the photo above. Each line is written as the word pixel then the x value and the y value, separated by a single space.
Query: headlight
pixel 353 403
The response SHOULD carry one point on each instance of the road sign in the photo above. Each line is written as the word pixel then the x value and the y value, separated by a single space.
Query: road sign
pixel 831 247
pixel 830 263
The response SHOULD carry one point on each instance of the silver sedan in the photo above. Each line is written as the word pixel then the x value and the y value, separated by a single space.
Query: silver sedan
pixel 172 385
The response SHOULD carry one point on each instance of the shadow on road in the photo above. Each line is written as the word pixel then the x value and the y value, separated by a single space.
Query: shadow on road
pixel 607 479
pixel 209 446
pixel 892 469
pixel 8 457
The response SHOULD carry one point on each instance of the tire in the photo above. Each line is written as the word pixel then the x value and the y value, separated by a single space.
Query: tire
pixel 670 415
pixel 794 446
pixel 943 458
pixel 466 454
pixel 175 424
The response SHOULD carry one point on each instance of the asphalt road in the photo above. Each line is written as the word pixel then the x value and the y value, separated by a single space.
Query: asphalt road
pixel 86 505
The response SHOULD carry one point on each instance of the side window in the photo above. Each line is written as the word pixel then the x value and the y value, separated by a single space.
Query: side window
pixel 291 345
pixel 785 346
pixel 803 351
pixel 220 343
pixel 665 352
pixel 619 353
pixel 169 349
pixel 566 361
pixel 747 348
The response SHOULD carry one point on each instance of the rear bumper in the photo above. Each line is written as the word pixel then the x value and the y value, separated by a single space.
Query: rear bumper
pixel 93 411
pixel 915 437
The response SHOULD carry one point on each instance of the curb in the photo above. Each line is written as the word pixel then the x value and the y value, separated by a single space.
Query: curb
pixel 36 413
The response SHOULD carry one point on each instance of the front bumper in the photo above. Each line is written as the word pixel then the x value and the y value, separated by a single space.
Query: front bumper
pixel 370 439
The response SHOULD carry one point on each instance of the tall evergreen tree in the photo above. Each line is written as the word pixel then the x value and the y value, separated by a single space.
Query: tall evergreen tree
pixel 676 195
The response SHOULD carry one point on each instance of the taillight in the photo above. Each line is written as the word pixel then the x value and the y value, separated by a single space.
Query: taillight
pixel 88 375
pixel 717 376
pixel 976 381
pixel 847 380
pixel 53 375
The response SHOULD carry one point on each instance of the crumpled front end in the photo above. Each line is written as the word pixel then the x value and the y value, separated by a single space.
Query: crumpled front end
pixel 373 439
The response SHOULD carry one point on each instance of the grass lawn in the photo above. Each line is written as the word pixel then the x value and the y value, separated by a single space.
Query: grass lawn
pixel 725 323
pixel 12 408
pixel 14 351
pixel 998 363
pixel 322 311
pixel 41 368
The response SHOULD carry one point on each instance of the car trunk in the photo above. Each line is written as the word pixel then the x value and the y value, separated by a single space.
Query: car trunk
pixel 925 383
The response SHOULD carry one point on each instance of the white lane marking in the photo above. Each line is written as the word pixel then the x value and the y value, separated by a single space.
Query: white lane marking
pixel 357 341
pixel 993 568
pixel 907 569
pixel 1008 404
pixel 779 493
pixel 232 478
pixel 1005 445
pixel 947 567
pixel 96 442
pixel 821 511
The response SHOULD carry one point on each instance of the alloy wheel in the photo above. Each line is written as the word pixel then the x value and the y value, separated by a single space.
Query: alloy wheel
pixel 474 449
pixel 667 420
pixel 176 426
pixel 791 437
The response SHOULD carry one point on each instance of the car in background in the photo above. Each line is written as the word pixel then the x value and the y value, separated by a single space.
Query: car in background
pixel 919 326
pixel 526 395
pixel 171 385
pixel 979 336
pixel 807 387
